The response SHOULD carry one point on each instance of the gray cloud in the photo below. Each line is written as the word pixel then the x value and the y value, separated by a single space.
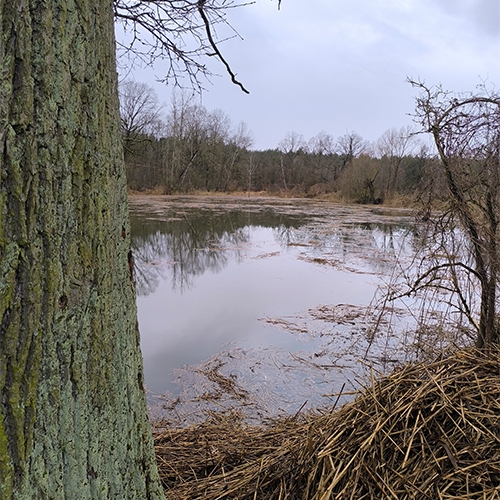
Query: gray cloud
pixel 487 16
pixel 335 66
pixel 482 16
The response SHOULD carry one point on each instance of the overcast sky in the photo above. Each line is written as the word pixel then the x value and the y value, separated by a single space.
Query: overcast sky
pixel 341 66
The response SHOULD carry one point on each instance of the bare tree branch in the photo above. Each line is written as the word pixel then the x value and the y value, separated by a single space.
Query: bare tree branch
pixel 177 32
pixel 201 4
pixel 466 133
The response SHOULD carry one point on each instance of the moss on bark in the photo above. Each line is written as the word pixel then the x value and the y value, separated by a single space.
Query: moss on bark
pixel 73 420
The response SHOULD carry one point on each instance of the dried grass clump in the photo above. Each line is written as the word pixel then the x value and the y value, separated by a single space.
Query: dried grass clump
pixel 427 431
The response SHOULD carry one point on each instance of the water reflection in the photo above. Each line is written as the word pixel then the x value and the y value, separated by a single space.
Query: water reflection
pixel 185 244
pixel 264 277
pixel 179 243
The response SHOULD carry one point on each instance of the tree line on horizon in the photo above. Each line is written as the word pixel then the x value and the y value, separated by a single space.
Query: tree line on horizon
pixel 191 149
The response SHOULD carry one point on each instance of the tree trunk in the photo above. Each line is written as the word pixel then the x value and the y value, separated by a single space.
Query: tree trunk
pixel 73 420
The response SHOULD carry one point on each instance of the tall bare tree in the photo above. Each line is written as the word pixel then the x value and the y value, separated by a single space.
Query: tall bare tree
pixel 290 146
pixel 394 147
pixel 350 146
pixel 466 133
pixel 140 110
pixel 323 147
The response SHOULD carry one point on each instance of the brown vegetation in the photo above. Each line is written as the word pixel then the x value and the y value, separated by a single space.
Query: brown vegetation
pixel 426 431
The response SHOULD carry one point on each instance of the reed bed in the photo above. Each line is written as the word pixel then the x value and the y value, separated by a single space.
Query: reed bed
pixel 427 431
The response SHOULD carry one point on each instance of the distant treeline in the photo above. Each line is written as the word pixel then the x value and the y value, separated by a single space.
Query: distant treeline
pixel 191 149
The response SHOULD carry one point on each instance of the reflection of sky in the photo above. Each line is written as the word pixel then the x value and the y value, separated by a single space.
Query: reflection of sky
pixel 225 306
pixel 209 269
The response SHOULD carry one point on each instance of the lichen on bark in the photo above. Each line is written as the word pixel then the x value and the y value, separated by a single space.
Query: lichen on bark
pixel 73 420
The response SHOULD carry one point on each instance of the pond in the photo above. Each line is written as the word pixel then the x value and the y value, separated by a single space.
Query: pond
pixel 261 303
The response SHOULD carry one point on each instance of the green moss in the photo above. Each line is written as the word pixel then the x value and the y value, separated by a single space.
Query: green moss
pixel 75 412
pixel 3 209
pixel 8 266
pixel 6 466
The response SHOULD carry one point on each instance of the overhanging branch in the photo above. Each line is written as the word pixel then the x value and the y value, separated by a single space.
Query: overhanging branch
pixel 201 4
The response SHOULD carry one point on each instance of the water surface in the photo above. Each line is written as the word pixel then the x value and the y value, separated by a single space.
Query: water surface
pixel 242 296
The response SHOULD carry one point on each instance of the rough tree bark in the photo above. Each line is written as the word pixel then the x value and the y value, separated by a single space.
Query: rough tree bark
pixel 73 420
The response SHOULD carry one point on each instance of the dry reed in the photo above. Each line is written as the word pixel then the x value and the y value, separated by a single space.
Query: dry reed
pixel 428 431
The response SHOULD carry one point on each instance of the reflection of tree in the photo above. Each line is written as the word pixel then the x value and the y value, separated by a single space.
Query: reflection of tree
pixel 376 245
pixel 286 235
pixel 384 244
pixel 147 274
pixel 183 249
pixel 186 247
pixel 180 241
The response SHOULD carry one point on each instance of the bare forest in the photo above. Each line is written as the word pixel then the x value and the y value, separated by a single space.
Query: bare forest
pixel 183 148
